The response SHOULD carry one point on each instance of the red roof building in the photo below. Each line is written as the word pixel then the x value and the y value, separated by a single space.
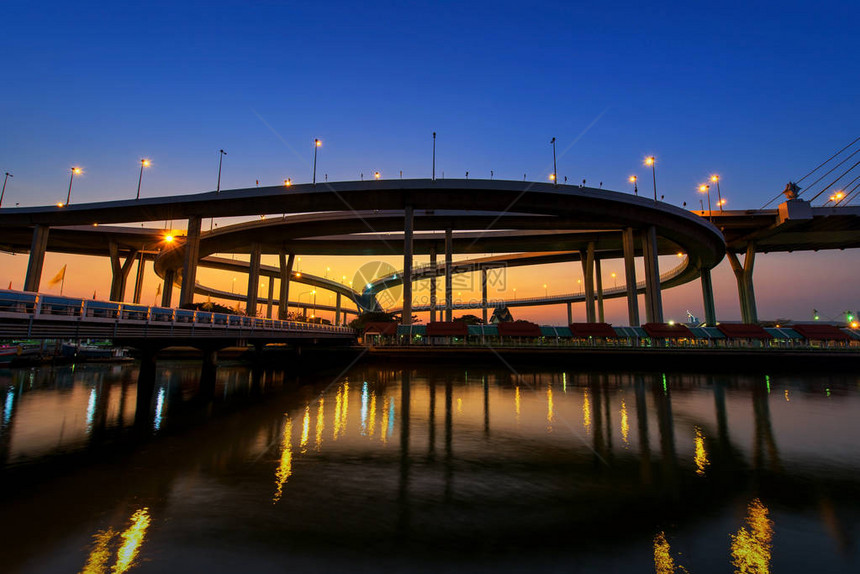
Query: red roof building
pixel 519 329
pixel 819 332
pixel 667 331
pixel 594 330
pixel 447 329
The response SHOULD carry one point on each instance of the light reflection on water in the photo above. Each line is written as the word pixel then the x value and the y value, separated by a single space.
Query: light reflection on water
pixel 623 472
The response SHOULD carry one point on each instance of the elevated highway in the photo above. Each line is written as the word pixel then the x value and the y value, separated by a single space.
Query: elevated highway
pixel 532 222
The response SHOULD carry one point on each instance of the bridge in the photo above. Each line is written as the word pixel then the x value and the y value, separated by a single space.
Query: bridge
pixel 35 316
pixel 533 222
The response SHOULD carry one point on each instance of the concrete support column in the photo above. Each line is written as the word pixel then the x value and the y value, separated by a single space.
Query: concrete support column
pixel 484 294
pixel 271 298
pixel 598 279
pixel 253 279
pixel 630 276
pixel 587 260
pixel 433 284
pixel 708 298
pixel 569 313
pixel 449 288
pixel 337 311
pixel 167 288
pixel 189 266
pixel 744 277
pixel 37 258
pixel 408 226
pixel 138 280
pixel 286 270
pixel 120 271
pixel 653 299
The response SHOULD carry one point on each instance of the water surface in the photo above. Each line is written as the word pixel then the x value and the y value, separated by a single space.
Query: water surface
pixel 427 468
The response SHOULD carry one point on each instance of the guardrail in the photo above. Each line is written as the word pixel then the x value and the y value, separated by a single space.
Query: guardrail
pixel 28 305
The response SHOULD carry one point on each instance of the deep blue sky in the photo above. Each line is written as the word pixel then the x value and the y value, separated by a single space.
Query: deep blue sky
pixel 758 92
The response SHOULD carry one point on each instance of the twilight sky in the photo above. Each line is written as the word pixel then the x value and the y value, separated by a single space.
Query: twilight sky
pixel 757 92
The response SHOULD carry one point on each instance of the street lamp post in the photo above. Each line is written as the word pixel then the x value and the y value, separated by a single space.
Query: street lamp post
pixel 633 180
pixel 75 170
pixel 317 143
pixel 434 156
pixel 143 163
pixel 707 189
pixel 3 193
pixel 314 293
pixel 651 160
pixel 716 179
pixel 221 154
pixel 554 170
pixel 615 279
pixel 545 291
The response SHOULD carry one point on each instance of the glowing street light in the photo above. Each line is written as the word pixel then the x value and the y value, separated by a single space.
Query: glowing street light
pixel 544 290
pixel 8 175
pixel 376 175
pixel 554 177
pixel 716 179
pixel 650 161
pixel 143 163
pixel 288 182
pixel 75 171
pixel 633 179
pixel 706 189
pixel 317 144
pixel 615 279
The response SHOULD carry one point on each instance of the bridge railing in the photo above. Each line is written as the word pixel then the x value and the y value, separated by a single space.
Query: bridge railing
pixel 23 304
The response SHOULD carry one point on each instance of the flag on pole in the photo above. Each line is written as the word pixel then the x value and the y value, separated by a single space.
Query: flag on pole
pixel 58 277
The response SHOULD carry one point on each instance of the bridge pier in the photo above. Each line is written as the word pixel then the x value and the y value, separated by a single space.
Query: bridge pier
pixel 708 297
pixel 408 226
pixel 138 279
pixel 569 313
pixel 271 297
pixel 37 258
pixel 253 279
pixel 744 278
pixel 286 270
pixel 167 289
pixel 653 298
pixel 484 294
pixel 587 260
pixel 433 284
pixel 189 266
pixel 449 288
pixel 598 279
pixel 337 311
pixel 630 276
pixel 120 271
